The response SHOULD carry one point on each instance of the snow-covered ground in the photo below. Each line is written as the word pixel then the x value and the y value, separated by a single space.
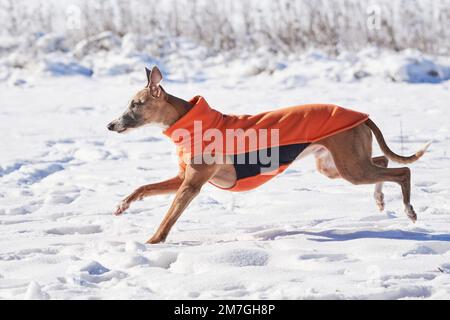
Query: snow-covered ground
pixel 300 236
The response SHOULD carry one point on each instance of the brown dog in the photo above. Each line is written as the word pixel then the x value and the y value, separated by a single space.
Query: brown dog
pixel 346 155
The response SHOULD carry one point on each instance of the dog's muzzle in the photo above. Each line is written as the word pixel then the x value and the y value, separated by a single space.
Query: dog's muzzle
pixel 117 127
pixel 111 126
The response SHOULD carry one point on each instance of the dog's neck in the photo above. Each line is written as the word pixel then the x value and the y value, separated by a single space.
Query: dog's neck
pixel 179 106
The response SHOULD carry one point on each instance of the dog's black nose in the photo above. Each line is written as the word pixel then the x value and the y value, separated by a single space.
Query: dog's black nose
pixel 110 126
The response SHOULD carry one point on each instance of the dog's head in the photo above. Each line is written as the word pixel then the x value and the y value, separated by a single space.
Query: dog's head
pixel 146 107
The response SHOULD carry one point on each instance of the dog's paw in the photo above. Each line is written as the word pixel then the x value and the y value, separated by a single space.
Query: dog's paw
pixel 379 199
pixel 409 210
pixel 121 208
pixel 155 239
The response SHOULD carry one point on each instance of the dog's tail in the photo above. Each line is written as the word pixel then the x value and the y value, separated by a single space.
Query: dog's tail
pixel 388 152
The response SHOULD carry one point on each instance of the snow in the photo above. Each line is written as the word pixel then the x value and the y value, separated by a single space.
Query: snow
pixel 107 54
pixel 34 292
pixel 300 236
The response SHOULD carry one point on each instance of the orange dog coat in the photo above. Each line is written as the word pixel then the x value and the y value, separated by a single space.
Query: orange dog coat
pixel 285 132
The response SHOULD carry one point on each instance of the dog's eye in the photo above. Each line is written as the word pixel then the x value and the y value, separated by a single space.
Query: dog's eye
pixel 135 104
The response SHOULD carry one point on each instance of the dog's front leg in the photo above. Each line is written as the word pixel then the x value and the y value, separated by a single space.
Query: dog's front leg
pixel 164 187
pixel 196 176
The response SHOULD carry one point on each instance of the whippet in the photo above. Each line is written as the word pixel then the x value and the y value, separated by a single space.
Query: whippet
pixel 345 153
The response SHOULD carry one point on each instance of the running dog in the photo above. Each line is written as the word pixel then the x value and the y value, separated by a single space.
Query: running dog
pixel 339 138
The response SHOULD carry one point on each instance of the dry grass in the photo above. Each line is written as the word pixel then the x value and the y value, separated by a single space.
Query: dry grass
pixel 276 25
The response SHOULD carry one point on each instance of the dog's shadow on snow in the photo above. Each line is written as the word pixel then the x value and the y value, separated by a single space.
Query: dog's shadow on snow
pixel 340 235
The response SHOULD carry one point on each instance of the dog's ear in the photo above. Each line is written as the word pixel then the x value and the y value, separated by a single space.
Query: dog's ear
pixel 154 78
pixel 148 73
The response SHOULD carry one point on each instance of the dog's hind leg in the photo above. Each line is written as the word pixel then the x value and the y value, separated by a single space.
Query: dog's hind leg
pixel 378 194
pixel 165 187
pixel 326 166
pixel 351 151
